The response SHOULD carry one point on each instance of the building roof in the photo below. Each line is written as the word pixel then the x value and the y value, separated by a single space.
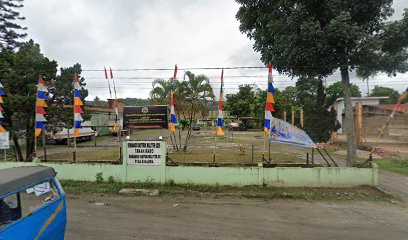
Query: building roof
pixel 362 98
pixel 12 179
pixel 400 108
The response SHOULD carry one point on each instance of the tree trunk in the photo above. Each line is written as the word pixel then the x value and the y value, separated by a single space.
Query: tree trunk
pixel 179 131
pixel 17 146
pixel 29 141
pixel 189 129
pixel 348 109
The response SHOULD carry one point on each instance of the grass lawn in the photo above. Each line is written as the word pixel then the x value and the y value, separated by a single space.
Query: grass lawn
pixel 91 154
pixel 217 191
pixel 393 165
pixel 230 156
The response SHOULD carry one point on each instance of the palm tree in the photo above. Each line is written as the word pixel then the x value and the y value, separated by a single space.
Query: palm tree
pixel 160 94
pixel 191 96
pixel 196 91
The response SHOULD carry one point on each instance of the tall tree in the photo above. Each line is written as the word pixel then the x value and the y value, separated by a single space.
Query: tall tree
pixel 391 93
pixel 10 31
pixel 320 122
pixel 196 91
pixel 160 94
pixel 62 92
pixel 239 104
pixel 335 91
pixel 315 38
pixel 21 76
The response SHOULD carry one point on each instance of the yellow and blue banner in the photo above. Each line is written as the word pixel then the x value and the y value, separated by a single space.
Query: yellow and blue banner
pixel 42 97
pixel 220 114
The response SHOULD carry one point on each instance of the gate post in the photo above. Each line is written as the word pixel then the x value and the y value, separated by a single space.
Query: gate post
pixel 124 160
pixel 260 174
pixel 163 166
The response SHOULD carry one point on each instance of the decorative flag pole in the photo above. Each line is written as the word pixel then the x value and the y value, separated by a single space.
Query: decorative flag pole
pixel 396 107
pixel 2 129
pixel 77 112
pixel 173 118
pixel 40 111
pixel 2 93
pixel 218 131
pixel 116 126
pixel 268 109
pixel 107 79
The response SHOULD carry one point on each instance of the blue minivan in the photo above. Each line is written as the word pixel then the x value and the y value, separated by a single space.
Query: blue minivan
pixel 32 204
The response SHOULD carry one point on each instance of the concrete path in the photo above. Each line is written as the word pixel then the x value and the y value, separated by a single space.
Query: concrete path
pixel 394 183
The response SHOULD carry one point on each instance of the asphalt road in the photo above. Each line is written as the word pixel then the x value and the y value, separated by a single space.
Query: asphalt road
pixel 178 217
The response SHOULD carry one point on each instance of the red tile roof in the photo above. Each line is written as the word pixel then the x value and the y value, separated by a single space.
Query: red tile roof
pixel 400 108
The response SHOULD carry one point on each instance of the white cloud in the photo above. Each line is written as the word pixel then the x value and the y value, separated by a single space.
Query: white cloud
pixel 146 34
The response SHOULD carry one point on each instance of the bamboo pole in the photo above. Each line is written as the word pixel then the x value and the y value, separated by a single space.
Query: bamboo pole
pixel 75 143
pixel 35 136
pixel 293 117
pixel 44 144
pixel 301 117
pixel 215 143
pixel 264 146
pixel 35 145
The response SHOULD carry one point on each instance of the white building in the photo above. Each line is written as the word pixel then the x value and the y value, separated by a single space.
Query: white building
pixel 339 106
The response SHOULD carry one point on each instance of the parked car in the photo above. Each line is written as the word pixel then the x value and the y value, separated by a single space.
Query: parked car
pixel 32 204
pixel 234 126
pixel 196 127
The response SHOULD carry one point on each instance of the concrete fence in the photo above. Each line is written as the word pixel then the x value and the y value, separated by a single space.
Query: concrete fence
pixel 146 161
pixel 237 176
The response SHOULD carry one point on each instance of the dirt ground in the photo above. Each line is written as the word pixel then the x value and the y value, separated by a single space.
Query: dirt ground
pixel 178 217
pixel 395 184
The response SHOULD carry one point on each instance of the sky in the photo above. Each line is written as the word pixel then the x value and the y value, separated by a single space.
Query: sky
pixel 128 34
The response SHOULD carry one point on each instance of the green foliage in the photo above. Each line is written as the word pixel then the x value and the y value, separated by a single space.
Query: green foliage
pixel 111 179
pixel 184 123
pixel 135 101
pixel 191 97
pixel 127 101
pixel 315 38
pixel 239 104
pixel 97 102
pixel 20 72
pixel 10 30
pixel 334 91
pixel 393 165
pixel 160 94
pixel 62 92
pixel 319 121
pixel 391 93
pixel 148 183
pixel 99 177
pixel 253 192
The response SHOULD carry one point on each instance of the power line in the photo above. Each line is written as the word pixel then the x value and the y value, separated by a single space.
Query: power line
pixel 214 68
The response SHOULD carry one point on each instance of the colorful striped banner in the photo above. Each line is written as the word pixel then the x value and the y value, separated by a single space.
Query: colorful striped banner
pixel 269 102
pixel 42 97
pixel 220 114
pixel 173 121
pixel 77 107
